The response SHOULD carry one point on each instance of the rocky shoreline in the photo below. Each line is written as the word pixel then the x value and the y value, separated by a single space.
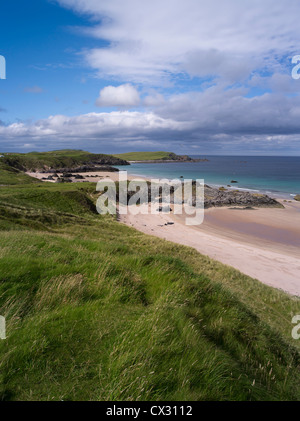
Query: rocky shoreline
pixel 214 197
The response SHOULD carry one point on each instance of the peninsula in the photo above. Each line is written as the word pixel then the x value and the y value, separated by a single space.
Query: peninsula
pixel 156 157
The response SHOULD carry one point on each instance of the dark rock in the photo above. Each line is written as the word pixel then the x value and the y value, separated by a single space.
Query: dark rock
pixel 216 198
pixel 85 168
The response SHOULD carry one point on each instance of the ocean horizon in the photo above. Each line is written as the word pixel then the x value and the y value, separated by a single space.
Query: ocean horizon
pixel 272 175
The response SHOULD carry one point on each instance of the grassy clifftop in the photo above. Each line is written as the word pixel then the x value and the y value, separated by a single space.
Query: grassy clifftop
pixel 97 310
pixel 152 156
pixel 57 159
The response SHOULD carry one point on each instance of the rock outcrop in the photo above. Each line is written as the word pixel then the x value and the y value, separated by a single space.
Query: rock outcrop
pixel 215 198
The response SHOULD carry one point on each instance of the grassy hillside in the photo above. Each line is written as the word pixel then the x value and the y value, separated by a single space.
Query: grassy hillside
pixel 97 310
pixel 146 156
pixel 11 176
pixel 57 159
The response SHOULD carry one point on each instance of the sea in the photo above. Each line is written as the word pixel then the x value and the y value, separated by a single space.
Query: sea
pixel 272 175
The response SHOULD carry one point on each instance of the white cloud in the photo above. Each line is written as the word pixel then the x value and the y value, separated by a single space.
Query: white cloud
pixel 117 124
pixel 150 40
pixel 166 43
pixel 118 96
pixel 211 120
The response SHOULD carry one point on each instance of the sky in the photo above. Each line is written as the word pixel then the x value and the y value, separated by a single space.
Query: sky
pixel 201 77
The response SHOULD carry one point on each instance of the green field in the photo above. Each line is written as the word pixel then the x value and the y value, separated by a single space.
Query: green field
pixel 98 311
pixel 68 158
pixel 145 156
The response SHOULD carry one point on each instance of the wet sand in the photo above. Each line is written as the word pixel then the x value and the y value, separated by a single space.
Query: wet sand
pixel 277 229
pixel 262 243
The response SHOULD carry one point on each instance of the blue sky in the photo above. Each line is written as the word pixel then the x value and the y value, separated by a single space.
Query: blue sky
pixel 41 45
pixel 192 76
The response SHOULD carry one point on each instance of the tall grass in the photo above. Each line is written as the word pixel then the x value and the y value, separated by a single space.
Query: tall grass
pixel 96 311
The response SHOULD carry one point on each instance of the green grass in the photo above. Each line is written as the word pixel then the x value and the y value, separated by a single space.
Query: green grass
pixel 145 156
pixel 12 176
pixel 96 310
pixel 56 159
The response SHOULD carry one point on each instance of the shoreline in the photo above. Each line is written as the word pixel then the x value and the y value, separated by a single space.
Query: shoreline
pixel 270 262
pixel 263 243
pixel 277 194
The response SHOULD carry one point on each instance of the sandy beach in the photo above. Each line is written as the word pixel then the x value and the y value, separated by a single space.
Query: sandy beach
pixel 263 243
pixel 92 177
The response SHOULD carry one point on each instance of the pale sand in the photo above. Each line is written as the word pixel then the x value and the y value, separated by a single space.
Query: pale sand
pixel 92 177
pixel 262 243
pixel 261 254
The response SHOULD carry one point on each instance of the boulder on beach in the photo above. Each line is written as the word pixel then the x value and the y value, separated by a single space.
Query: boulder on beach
pixel 216 198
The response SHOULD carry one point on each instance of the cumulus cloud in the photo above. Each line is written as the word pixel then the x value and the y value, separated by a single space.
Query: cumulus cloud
pixel 119 124
pixel 149 41
pixel 207 75
pixel 211 120
pixel 118 96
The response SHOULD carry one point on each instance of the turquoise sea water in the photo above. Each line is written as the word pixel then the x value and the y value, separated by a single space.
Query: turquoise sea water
pixel 278 176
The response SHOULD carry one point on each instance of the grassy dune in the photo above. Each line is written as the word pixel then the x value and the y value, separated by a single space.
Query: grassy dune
pixel 97 310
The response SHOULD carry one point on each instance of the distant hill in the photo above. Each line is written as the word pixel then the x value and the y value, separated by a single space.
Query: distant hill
pixel 68 158
pixel 153 156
